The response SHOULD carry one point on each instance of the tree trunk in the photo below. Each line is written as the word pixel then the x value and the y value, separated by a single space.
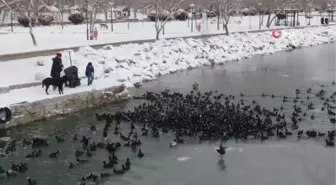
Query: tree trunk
pixel 32 33
pixel 226 29
pixel 268 24
pixel 3 15
pixel 106 14
pixel 135 13
pixel 271 21
pixel 157 29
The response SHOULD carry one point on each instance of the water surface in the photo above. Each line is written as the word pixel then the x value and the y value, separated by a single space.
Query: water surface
pixel 275 162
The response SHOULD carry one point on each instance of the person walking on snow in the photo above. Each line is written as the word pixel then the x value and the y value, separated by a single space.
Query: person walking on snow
pixel 57 66
pixel 89 73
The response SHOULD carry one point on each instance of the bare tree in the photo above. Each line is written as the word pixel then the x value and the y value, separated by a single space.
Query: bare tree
pixel 228 7
pixel 164 11
pixel 25 7
pixel 92 10
pixel 274 7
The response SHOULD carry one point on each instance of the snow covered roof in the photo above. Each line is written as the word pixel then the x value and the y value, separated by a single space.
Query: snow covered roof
pixel 71 8
pixel 120 7
pixel 48 8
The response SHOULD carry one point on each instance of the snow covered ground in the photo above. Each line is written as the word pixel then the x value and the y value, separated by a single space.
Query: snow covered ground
pixel 53 37
pixel 132 63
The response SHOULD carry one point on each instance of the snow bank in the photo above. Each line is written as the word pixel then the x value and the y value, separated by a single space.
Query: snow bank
pixel 132 63
pixel 138 62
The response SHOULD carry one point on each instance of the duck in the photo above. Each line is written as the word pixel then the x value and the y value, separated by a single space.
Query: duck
pixel 104 175
pixel 107 165
pixel 71 165
pixel 88 153
pixel 172 144
pixel 59 139
pixel 31 181
pixel 114 157
pixel 32 155
pixel 329 143
pixel 54 154
pixel 125 168
pixel 128 162
pixel 140 154
pixel 78 153
pixel 75 138
pixel 82 161
pixel 221 149
pixel 11 174
pixel 118 172
pixel 26 142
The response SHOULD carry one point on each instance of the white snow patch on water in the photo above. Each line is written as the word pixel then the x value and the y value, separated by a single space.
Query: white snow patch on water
pixel 284 74
pixel 181 159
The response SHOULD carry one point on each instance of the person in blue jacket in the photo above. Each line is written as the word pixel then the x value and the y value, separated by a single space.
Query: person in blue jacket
pixel 89 73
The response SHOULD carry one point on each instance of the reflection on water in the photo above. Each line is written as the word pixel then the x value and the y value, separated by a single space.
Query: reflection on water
pixel 305 162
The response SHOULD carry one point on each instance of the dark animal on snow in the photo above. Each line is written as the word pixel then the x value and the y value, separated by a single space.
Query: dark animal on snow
pixel 104 26
pixel 57 82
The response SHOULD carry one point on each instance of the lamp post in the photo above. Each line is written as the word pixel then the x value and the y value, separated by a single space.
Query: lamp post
pixel 192 16
pixel 261 15
pixel 87 20
pixel 218 14
pixel 309 14
pixel 11 17
pixel 111 14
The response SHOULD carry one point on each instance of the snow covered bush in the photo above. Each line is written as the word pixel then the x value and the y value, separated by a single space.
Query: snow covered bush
pixel 45 19
pixel 162 16
pixel 40 62
pixel 211 14
pixel 25 20
pixel 76 18
pixel 39 76
pixel 181 15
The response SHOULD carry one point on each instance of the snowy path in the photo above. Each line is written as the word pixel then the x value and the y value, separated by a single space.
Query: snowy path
pixel 53 37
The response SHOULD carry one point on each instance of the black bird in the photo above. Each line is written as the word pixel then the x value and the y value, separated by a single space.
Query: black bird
pixel 128 163
pixel 71 166
pixel 26 142
pixel 59 139
pixel 118 172
pixel 125 168
pixel 140 154
pixel 11 174
pixel 114 157
pixel 104 175
pixel 54 154
pixel 78 153
pixel 31 181
pixel 88 153
pixel 75 138
pixel 221 149
pixel 107 165
pixel 329 143
pixel 82 161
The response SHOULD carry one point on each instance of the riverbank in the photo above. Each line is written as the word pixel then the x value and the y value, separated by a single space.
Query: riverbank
pixel 134 63
pixel 26 112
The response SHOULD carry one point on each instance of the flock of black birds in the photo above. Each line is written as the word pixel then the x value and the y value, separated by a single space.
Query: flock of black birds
pixel 208 116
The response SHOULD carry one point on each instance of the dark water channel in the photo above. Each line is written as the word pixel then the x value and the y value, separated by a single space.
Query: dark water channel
pixel 285 162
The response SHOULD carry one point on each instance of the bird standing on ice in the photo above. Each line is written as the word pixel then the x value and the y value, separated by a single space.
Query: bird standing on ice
pixel 221 149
